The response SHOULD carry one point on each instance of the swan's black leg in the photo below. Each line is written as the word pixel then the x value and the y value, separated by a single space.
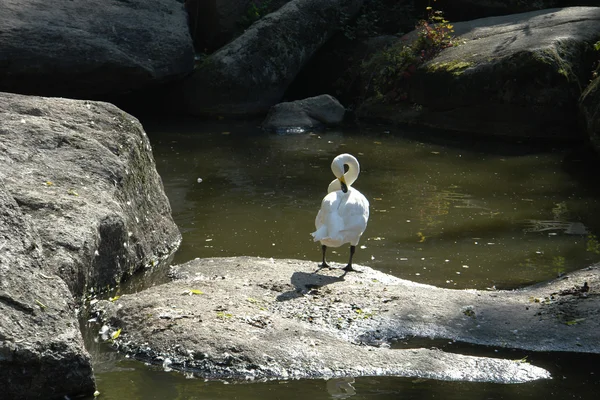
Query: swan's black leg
pixel 324 264
pixel 349 266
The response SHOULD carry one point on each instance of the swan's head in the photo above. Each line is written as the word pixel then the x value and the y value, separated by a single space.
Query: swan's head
pixel 338 167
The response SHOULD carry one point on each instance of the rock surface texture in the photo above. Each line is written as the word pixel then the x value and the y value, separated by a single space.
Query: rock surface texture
pixel 251 73
pixel 84 174
pixel 41 350
pixel 519 75
pixel 73 49
pixel 264 318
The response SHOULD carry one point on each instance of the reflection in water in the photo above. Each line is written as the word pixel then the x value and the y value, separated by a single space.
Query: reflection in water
pixel 569 228
pixel 341 388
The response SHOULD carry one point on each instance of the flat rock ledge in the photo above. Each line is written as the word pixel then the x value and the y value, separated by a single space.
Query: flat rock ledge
pixel 256 318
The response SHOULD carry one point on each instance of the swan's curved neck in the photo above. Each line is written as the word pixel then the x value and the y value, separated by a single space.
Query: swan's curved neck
pixel 338 169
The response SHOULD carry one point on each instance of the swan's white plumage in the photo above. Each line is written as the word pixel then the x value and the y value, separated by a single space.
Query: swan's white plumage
pixel 343 216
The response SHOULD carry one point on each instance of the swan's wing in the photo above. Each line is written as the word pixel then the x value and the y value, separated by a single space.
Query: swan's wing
pixel 328 220
pixel 355 213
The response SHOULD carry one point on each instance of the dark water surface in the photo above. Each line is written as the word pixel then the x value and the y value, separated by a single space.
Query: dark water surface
pixel 452 214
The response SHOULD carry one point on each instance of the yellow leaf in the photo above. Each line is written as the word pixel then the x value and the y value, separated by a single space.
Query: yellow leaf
pixel 114 298
pixel 116 334
pixel 196 291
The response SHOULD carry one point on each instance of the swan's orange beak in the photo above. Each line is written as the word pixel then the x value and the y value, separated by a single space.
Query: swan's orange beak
pixel 343 182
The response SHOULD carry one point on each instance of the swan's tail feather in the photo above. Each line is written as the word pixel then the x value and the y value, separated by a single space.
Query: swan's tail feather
pixel 319 234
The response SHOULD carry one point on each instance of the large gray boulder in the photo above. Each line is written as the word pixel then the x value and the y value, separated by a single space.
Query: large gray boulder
pixel 265 318
pixel 250 74
pixel 516 76
pixel 84 174
pixel 42 355
pixel 81 49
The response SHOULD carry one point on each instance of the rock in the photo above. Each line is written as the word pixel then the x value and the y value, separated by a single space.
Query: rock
pixel 461 10
pixel 251 73
pixel 514 76
pixel 70 49
pixel 214 23
pixel 589 108
pixel 42 355
pixel 84 174
pixel 265 318
pixel 303 115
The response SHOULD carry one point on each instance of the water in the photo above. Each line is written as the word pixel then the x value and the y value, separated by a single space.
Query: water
pixel 455 216
pixel 446 213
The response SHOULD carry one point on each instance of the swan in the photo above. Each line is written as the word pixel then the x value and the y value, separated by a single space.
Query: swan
pixel 344 210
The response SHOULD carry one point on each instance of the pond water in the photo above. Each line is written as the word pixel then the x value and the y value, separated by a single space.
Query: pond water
pixel 462 214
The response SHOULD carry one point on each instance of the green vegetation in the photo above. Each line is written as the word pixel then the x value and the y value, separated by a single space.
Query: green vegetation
pixel 597 66
pixel 256 10
pixel 393 66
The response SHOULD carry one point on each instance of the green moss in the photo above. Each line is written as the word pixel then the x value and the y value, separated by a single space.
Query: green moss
pixel 558 57
pixel 455 67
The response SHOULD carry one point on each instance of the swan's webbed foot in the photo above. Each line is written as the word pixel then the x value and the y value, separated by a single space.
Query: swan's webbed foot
pixel 348 268
pixel 324 263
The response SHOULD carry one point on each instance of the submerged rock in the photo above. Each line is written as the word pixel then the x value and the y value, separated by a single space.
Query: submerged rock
pixel 42 355
pixel 304 115
pixel 84 175
pixel 259 318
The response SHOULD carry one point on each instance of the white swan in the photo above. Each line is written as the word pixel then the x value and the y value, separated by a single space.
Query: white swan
pixel 344 211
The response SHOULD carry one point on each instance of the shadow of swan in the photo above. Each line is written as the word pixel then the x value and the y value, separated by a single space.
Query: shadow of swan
pixel 304 282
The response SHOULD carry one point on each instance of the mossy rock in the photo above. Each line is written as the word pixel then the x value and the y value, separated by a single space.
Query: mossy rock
pixel 516 76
